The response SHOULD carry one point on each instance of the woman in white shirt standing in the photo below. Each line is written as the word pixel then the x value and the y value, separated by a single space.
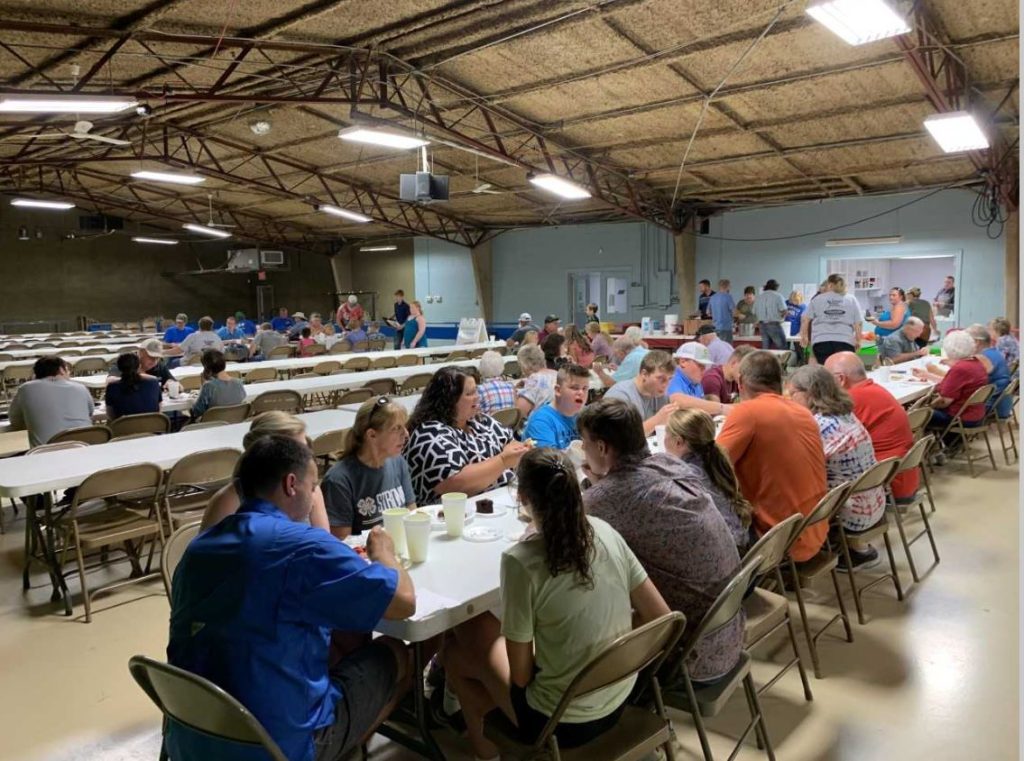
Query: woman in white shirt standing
pixel 567 589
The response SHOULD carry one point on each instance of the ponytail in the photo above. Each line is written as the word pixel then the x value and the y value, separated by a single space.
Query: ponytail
pixel 548 486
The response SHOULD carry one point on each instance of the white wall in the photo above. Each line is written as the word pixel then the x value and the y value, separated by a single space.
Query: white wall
pixel 446 270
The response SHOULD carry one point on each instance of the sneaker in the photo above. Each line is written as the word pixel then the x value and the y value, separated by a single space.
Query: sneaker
pixel 861 560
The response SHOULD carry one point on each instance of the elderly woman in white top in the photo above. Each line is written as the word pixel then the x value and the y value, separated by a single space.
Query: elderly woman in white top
pixel 538 385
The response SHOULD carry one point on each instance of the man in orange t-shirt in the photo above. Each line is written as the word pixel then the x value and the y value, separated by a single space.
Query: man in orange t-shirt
pixel 775 447
pixel 883 416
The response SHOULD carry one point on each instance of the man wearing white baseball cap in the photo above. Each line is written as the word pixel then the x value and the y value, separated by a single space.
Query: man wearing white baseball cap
pixel 525 326
pixel 685 389
pixel 151 363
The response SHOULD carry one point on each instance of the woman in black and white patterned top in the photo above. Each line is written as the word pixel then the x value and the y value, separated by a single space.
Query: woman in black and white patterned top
pixel 452 447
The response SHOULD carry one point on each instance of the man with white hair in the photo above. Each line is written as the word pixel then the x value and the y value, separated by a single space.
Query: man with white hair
pixel 629 366
pixel 901 346
pixel 349 310
pixel 878 411
pixel 494 392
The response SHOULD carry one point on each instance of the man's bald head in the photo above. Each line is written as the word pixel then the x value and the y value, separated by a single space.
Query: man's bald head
pixel 847 368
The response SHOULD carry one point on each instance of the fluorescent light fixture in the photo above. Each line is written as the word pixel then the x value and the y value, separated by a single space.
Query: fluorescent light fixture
pixel 891 240
pixel 172 177
pixel 378 248
pixel 160 241
pixel 343 213
pixel 382 137
pixel 859 21
pixel 211 231
pixel 559 186
pixel 34 204
pixel 57 104
pixel 956 132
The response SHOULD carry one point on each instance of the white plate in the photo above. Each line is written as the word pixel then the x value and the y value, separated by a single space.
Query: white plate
pixel 482 534
pixel 438 524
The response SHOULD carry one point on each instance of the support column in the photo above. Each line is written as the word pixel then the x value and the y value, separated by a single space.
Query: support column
pixel 1011 271
pixel 483 268
pixel 686 272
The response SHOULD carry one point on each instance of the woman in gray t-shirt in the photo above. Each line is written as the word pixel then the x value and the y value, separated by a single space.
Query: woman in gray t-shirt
pixel 219 389
pixel 833 320
pixel 372 475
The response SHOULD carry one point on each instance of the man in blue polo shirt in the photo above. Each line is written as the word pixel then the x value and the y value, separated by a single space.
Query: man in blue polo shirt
pixel 401 316
pixel 254 601
pixel 247 326
pixel 554 425
pixel 282 323
pixel 231 331
pixel 721 305
pixel 179 331
pixel 685 390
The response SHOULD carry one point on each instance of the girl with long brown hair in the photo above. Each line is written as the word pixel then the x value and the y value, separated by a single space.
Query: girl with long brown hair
pixel 567 590
pixel 690 435
pixel 578 345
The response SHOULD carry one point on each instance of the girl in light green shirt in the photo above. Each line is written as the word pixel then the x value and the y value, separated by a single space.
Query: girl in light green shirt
pixel 562 601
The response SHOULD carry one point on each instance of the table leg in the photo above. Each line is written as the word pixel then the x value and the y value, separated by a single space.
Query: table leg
pixel 424 744
pixel 60 587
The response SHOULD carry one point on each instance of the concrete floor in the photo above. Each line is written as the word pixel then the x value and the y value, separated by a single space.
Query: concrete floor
pixel 933 678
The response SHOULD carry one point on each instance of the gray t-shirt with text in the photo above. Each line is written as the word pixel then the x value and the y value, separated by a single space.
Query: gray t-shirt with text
pixel 357 495
pixel 833 317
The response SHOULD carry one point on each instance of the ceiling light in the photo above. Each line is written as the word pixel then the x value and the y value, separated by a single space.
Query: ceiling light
pixel 33 203
pixel 559 186
pixel 211 231
pixel 172 177
pixel 883 241
pixel 56 104
pixel 381 137
pixel 260 127
pixel 957 131
pixel 378 248
pixel 344 213
pixel 160 241
pixel 859 21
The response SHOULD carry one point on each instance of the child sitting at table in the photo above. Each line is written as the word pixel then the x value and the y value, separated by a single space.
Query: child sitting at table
pixel 374 334
pixel 305 341
pixel 563 600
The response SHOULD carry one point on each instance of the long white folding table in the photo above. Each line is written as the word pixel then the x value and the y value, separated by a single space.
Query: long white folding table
pixel 51 471
pixel 899 379
pixel 113 349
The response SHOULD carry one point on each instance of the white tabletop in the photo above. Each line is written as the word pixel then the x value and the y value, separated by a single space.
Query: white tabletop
pixel 63 469
pixel 906 388
pixel 113 350
pixel 446 595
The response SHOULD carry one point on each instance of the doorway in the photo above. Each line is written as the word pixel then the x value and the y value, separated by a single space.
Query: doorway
pixel 265 302
pixel 609 289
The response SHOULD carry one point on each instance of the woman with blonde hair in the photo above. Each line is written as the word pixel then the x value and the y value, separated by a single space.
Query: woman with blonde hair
pixel 690 436
pixel 415 330
pixel 371 476
pixel 578 345
pixel 273 423
pixel 600 341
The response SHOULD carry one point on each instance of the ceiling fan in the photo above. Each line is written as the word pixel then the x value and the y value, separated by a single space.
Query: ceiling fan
pixel 82 132
pixel 484 188
pixel 211 223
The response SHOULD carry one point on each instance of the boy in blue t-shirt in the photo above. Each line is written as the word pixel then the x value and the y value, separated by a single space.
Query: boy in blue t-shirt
pixel 554 425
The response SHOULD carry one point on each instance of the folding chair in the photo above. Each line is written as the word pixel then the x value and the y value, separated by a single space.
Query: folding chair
pixel 381 387
pixel 341 347
pixel 919 419
pixel 383 363
pixel 326 368
pixel 96 350
pixel 200 705
pixel 96 520
pixel 174 549
pixel 378 344
pixel 360 346
pixel 281 352
pixel 358 364
pixel 327 446
pixel 285 400
pixel 191 382
pixel 512 370
pixel 968 433
pixel 193 480
pixel 639 731
pixel 88 434
pixel 354 396
pixel 510 417
pixel 408 360
pixel 230 413
pixel 415 384
pixel 147 422
pixel 14 376
pixel 458 355
pixel 766 611
pixel 260 375
pixel 808 572
pixel 708 700
pixel 912 460
pixel 90 366
pixel 879 475
pixel 992 418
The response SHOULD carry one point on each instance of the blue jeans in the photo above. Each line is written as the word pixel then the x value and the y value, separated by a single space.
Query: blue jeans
pixel 772 336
